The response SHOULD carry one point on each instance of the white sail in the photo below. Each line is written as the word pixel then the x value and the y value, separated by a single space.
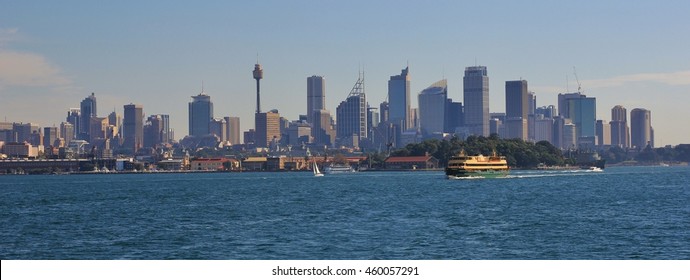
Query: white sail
pixel 317 173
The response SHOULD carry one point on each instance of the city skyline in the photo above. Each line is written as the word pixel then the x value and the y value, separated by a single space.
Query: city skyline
pixel 51 59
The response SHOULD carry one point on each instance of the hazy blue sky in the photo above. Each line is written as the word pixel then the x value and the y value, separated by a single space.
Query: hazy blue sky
pixel 156 53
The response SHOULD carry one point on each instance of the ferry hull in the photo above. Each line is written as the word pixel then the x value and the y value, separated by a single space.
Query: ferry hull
pixel 463 173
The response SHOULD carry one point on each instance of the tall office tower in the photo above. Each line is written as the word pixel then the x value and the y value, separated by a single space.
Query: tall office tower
pixel 563 108
pixel 153 131
pixel 233 129
pixel 399 100
pixel 569 136
pixel 166 133
pixel 351 116
pixel 133 127
pixel 372 120
pixel 581 110
pixel 50 134
pixel 322 129
pixel 316 95
pixel 454 117
pixel 641 128
pixel 267 128
pixel 67 132
pixel 558 127
pixel 619 127
pixel 74 117
pixel 432 108
pixel 258 74
pixel 603 133
pixel 383 111
pixel 200 114
pixel 88 110
pixel 476 100
pixel 517 109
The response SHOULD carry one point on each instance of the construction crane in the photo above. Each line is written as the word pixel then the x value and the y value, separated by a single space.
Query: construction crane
pixel 579 86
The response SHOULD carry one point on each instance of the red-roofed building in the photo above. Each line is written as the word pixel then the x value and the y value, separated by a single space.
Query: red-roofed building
pixel 412 163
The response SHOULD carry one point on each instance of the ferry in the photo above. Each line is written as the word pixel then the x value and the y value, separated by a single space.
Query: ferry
pixel 338 168
pixel 462 165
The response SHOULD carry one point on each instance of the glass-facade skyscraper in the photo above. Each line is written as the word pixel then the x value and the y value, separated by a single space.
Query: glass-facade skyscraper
pixel 476 99
pixel 200 115
pixel 399 100
pixel 432 105
pixel 88 110
pixel 517 109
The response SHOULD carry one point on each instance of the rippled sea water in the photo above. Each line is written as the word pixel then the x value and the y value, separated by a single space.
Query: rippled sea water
pixel 621 213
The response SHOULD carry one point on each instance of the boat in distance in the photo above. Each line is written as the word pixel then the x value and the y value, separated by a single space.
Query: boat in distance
pixel 463 166
pixel 338 168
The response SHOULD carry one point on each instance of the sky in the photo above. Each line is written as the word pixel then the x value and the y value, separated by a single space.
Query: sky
pixel 158 53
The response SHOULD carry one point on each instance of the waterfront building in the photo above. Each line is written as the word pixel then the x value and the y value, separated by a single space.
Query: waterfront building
pixel 133 127
pixel 432 108
pixel 476 100
pixel 517 109
pixel 200 114
pixel 351 116
pixel 399 100
pixel 316 95
pixel 88 110
pixel 620 132
pixel 641 133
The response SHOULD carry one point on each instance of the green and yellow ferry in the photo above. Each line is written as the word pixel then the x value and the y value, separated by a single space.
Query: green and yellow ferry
pixel 464 166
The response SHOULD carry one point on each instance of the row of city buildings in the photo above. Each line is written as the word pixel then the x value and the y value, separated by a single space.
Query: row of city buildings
pixel 357 125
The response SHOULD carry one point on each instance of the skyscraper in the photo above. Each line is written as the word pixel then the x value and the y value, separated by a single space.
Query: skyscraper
pixel 153 131
pixel 581 110
pixel 603 133
pixel 619 127
pixel 50 134
pixel 351 116
pixel 641 133
pixel 74 118
pixel 133 127
pixel 316 95
pixel 399 100
pixel 233 129
pixel 88 110
pixel 267 128
pixel 322 129
pixel 432 108
pixel 476 99
pixel 200 114
pixel 67 132
pixel 517 109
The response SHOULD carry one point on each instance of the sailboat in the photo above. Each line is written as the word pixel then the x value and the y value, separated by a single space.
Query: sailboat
pixel 315 168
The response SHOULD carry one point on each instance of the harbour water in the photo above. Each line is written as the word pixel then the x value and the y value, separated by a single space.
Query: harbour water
pixel 621 213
